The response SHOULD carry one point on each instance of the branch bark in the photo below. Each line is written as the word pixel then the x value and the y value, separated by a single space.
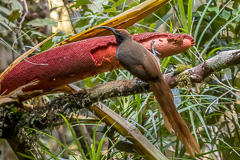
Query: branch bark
pixel 199 73
pixel 48 116
pixel 86 98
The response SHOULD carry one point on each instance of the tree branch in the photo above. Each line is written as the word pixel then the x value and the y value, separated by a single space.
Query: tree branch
pixel 197 74
pixel 14 122
pixel 45 117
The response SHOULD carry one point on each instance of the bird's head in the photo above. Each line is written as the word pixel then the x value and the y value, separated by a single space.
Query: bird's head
pixel 120 34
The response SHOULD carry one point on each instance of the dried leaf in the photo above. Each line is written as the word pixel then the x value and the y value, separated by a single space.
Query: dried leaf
pixel 123 20
pixel 14 15
pixel 128 130
pixel 42 22
pixel 19 59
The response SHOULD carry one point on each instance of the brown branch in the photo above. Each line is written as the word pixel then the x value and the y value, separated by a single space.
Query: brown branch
pixel 24 15
pixel 133 86
pixel 128 87
pixel 14 123
pixel 86 98
pixel 71 13
pixel 199 73
pixel 18 31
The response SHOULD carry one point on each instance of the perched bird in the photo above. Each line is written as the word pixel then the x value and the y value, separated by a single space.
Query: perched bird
pixel 134 57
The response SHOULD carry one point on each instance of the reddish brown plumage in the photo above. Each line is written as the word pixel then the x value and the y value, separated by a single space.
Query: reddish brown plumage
pixel 79 60
pixel 134 57
pixel 172 118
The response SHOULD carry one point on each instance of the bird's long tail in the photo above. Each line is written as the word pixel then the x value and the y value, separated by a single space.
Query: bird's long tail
pixel 172 119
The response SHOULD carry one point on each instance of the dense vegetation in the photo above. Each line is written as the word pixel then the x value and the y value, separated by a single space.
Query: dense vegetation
pixel 210 108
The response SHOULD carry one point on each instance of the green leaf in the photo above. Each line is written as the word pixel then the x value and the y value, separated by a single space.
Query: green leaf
pixel 200 20
pixel 209 24
pixel 152 26
pixel 25 156
pixel 74 137
pixel 118 3
pixel 237 82
pixel 59 142
pixel 5 10
pixel 182 15
pixel 42 22
pixel 49 153
pixel 190 9
pixel 81 3
pixel 14 15
pixel 82 23
pixel 100 148
pixel 216 34
pixel 110 10
pixel 226 14
pixel 163 20
pixel 213 9
pixel 15 4
pixel 85 139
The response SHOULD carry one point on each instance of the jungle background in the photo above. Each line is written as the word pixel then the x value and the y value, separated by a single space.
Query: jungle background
pixel 210 108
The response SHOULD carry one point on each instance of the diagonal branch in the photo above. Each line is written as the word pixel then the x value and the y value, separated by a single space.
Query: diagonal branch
pixel 197 74
pixel 128 87
pixel 86 98
pixel 12 120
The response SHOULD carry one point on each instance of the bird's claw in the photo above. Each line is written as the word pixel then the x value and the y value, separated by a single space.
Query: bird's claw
pixel 154 50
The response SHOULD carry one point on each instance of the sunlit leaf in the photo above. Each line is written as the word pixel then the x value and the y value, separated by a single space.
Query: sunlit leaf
pixel 110 10
pixel 123 20
pixel 80 3
pixel 5 10
pixel 226 14
pixel 14 15
pixel 213 9
pixel 42 22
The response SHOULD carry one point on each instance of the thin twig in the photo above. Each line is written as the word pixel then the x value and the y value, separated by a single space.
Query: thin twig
pixel 217 100
pixel 25 14
pixel 229 87
pixel 202 60
pixel 20 41
pixel 18 31
pixel 11 66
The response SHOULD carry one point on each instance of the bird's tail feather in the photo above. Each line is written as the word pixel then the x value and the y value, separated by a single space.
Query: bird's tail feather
pixel 172 119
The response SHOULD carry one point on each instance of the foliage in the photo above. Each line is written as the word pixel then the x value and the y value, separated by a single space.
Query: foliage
pixel 210 108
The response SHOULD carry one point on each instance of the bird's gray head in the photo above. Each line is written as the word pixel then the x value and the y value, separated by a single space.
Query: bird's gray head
pixel 120 34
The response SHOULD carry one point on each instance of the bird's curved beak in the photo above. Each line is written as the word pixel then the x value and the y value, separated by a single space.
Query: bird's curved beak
pixel 108 28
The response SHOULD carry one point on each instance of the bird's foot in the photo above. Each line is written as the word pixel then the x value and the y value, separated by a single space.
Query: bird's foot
pixel 154 50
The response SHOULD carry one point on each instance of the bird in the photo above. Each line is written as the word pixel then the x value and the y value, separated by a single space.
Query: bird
pixel 140 62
